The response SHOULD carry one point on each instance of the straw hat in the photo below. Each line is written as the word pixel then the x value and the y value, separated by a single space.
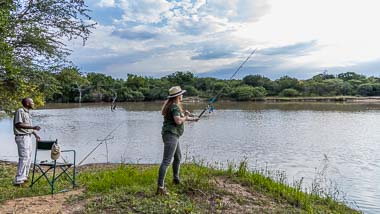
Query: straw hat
pixel 175 91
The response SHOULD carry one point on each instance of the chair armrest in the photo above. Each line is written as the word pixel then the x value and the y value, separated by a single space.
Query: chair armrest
pixel 71 151
pixel 68 151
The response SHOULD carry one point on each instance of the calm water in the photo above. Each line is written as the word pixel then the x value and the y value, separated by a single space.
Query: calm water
pixel 298 138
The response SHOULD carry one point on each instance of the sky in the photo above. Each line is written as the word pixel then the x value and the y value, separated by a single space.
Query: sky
pixel 298 38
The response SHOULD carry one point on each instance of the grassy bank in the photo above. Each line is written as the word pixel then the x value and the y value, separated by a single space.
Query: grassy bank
pixel 131 189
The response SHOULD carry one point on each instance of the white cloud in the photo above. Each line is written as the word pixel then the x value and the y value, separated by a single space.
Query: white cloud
pixel 202 35
pixel 345 30
pixel 106 3
pixel 145 11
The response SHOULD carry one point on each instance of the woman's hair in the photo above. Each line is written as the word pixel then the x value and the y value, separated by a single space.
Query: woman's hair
pixel 168 103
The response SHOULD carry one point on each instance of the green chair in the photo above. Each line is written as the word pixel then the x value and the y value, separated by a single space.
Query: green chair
pixel 44 166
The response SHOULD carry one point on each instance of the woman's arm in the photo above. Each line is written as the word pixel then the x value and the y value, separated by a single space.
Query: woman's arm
pixel 179 120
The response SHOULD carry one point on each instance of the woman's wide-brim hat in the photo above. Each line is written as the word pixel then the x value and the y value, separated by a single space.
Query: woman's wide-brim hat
pixel 175 91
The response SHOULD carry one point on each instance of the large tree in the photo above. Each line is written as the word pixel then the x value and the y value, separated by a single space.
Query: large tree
pixel 32 38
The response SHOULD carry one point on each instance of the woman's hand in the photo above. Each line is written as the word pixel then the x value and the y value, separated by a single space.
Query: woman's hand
pixel 188 113
pixel 194 118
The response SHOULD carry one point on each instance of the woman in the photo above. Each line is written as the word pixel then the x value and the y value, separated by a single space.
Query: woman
pixel 172 129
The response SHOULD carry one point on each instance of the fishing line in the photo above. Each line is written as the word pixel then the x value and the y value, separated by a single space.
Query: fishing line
pixel 212 100
pixel 104 140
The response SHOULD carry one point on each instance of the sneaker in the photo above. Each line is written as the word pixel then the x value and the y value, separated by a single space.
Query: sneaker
pixel 161 191
pixel 18 184
pixel 176 181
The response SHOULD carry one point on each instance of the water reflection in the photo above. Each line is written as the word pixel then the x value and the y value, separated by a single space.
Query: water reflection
pixel 294 137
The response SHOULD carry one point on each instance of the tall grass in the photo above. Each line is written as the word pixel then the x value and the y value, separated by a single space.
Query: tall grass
pixel 321 198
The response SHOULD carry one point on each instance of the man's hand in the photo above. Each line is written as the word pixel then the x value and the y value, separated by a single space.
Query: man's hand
pixel 36 128
pixel 37 137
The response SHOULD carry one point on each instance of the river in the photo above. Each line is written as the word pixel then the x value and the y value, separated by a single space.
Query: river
pixel 300 139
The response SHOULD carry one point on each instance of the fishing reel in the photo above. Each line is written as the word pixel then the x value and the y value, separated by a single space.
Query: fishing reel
pixel 211 108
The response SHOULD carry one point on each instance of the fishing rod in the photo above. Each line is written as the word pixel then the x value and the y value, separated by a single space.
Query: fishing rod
pixel 212 100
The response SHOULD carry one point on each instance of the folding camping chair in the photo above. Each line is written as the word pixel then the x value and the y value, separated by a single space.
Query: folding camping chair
pixel 44 166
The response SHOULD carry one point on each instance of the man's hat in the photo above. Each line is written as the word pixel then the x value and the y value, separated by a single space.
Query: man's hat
pixel 175 91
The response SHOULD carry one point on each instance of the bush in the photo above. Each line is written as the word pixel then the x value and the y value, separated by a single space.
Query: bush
pixel 191 90
pixel 245 93
pixel 135 96
pixel 259 92
pixel 289 92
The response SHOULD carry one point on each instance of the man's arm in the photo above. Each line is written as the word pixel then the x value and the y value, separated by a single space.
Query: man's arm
pixel 26 126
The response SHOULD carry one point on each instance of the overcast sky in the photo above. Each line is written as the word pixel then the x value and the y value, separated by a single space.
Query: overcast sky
pixel 299 38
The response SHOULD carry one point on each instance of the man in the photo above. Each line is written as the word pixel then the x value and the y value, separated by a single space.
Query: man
pixel 23 130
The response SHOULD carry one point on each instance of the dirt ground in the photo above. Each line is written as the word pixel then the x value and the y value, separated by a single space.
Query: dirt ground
pixel 240 200
pixel 43 204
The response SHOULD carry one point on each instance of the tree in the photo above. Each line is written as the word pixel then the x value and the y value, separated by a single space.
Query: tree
pixel 181 78
pixel 13 85
pixel 72 84
pixel 32 35
pixel 40 28
pixel 287 82
pixel 135 82
pixel 369 89
pixel 350 76
pixel 256 80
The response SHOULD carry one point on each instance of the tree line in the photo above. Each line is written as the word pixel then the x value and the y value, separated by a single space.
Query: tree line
pixel 69 85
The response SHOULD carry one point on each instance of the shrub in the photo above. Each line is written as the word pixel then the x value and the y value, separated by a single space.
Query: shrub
pixel 289 92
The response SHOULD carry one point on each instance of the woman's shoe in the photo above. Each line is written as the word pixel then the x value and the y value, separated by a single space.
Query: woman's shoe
pixel 161 191
pixel 176 181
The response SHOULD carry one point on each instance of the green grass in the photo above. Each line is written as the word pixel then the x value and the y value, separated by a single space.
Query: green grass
pixel 8 191
pixel 276 187
pixel 131 189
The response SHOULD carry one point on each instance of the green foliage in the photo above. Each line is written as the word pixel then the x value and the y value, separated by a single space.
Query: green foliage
pixel 70 85
pixel 40 27
pixel 350 76
pixel 287 82
pixel 257 81
pixel 243 93
pixel 31 35
pixel 289 92
pixel 369 89
pixel 181 78
pixel 259 92
pixel 191 90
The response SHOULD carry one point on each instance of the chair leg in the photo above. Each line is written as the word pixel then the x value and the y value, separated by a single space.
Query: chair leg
pixel 74 172
pixel 53 180
pixel 34 169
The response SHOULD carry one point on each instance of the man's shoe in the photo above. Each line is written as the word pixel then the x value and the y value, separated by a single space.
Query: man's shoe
pixel 161 191
pixel 176 181
pixel 20 184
